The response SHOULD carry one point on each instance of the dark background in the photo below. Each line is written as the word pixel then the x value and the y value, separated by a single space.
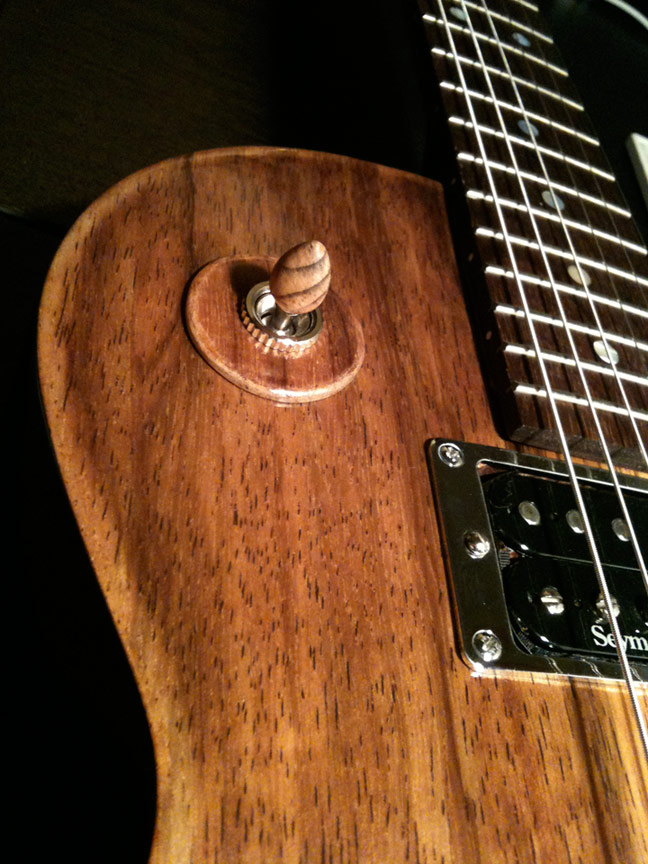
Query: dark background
pixel 90 92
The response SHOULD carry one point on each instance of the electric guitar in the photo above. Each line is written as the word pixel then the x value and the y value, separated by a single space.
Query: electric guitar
pixel 365 626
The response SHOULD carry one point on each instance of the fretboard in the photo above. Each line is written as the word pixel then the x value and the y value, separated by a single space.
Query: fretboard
pixel 552 238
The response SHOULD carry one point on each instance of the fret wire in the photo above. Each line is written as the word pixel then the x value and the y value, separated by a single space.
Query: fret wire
pixel 567 256
pixel 623 659
pixel 614 287
pixel 600 574
pixel 614 224
pixel 512 48
pixel 630 263
pixel 464 156
pixel 477 195
pixel 505 309
pixel 513 23
pixel 527 5
pixel 595 368
pixel 570 398
pixel 521 142
pixel 539 150
pixel 559 427
pixel 539 118
pixel 467 61
pixel 602 299
pixel 541 248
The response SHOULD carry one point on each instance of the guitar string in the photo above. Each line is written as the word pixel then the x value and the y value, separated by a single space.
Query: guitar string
pixel 630 324
pixel 594 311
pixel 633 343
pixel 604 336
pixel 600 573
pixel 616 237
pixel 620 239
pixel 614 372
pixel 530 26
pixel 550 395
pixel 620 648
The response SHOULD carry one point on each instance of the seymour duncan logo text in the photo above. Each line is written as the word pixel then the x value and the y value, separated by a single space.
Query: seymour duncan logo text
pixel 606 640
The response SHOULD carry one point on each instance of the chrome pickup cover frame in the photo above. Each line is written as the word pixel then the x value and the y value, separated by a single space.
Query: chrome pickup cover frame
pixel 474 572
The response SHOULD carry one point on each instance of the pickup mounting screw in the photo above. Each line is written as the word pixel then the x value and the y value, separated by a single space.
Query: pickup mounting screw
pixel 477 544
pixel 552 600
pixel 451 455
pixel 487 645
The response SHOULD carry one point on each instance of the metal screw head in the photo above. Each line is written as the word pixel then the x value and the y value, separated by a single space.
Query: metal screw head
pixel 487 645
pixel 451 455
pixel 552 600
pixel 529 512
pixel 477 544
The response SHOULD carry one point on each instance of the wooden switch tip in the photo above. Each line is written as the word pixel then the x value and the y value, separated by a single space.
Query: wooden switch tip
pixel 301 277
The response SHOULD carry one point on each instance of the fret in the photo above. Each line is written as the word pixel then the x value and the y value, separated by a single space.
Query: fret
pixel 561 253
pixel 570 398
pixel 594 321
pixel 565 378
pixel 596 369
pixel 483 37
pixel 501 73
pixel 593 332
pixel 505 93
pixel 554 173
pixel 476 195
pixel 550 232
pixel 573 290
pixel 535 147
pixel 542 70
pixel 622 293
pixel 517 25
pixel 543 191
pixel 475 95
pixel 527 5
pixel 464 156
pixel 549 235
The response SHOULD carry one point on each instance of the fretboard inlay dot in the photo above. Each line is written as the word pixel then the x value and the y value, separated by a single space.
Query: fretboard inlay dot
pixel 552 200
pixel 579 276
pixel 528 128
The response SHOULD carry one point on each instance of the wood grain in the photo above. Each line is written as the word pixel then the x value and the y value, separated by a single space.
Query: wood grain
pixel 275 573
pixel 213 316
pixel 301 277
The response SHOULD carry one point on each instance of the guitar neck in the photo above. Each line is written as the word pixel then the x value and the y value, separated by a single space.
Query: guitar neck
pixel 555 265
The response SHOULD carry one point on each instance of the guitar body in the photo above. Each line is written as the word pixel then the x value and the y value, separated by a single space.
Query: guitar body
pixel 276 572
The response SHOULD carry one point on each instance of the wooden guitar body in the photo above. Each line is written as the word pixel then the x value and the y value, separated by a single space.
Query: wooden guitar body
pixel 276 572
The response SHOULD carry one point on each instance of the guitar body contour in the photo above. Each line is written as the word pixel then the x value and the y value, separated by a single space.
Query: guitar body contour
pixel 276 572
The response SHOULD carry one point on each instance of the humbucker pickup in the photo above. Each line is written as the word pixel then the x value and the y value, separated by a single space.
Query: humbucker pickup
pixel 527 596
